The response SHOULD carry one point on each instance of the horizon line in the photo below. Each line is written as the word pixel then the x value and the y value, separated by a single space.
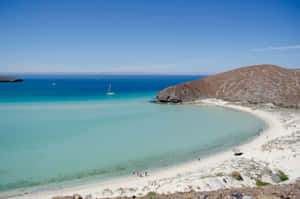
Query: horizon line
pixel 105 73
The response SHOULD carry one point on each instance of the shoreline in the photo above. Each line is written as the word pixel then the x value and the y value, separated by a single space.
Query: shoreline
pixel 193 174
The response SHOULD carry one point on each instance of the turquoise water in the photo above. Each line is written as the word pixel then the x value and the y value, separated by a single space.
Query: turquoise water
pixel 47 142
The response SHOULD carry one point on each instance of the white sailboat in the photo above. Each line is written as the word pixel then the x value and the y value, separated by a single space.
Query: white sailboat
pixel 109 92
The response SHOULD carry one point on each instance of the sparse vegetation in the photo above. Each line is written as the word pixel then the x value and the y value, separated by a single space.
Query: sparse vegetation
pixel 220 174
pixel 282 176
pixel 286 106
pixel 265 192
pixel 236 175
pixel 261 183
pixel 151 194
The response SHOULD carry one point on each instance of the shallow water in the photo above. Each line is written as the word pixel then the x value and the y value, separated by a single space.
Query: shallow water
pixel 75 133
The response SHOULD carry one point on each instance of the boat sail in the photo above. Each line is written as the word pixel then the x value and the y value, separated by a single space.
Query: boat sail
pixel 109 92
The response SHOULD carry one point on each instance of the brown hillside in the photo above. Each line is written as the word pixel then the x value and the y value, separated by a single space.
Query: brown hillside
pixel 254 84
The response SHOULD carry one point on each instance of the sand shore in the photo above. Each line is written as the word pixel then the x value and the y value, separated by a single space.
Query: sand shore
pixel 276 148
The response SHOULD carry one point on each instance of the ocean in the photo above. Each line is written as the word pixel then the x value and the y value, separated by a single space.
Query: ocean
pixel 61 130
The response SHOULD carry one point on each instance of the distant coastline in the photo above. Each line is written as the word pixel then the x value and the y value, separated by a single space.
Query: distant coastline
pixel 10 79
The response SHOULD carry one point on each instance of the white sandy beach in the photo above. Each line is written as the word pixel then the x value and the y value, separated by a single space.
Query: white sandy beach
pixel 276 148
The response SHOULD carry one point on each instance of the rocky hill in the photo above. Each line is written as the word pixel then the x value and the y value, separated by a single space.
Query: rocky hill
pixel 252 84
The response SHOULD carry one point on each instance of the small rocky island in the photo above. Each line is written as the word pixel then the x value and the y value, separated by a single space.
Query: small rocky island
pixel 10 79
pixel 251 84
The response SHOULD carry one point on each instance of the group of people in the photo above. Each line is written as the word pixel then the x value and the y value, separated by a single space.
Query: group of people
pixel 140 174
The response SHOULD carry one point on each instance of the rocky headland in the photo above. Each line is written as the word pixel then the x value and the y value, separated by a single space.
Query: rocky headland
pixel 10 79
pixel 251 84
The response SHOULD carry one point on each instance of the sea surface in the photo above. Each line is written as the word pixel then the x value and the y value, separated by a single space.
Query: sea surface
pixel 60 130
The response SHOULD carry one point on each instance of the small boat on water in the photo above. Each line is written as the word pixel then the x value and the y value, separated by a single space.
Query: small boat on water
pixel 109 92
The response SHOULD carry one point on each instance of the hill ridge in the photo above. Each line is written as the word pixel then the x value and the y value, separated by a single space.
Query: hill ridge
pixel 254 84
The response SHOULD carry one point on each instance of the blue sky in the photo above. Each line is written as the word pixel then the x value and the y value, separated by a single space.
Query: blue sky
pixel 147 36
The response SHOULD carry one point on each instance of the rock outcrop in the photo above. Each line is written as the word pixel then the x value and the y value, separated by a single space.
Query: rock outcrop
pixel 252 84
pixel 10 79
